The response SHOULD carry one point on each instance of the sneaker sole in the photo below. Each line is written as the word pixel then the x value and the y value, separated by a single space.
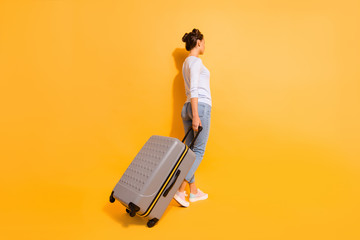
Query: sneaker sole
pixel 199 198
pixel 181 202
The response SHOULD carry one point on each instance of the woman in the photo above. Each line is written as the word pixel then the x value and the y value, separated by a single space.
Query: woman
pixel 196 110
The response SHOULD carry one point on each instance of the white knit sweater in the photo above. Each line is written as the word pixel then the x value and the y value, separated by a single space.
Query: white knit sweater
pixel 197 80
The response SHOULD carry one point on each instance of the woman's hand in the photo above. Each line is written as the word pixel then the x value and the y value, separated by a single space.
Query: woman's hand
pixel 196 122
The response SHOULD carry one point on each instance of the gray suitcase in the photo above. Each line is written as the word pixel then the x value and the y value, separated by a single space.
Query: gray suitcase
pixel 153 177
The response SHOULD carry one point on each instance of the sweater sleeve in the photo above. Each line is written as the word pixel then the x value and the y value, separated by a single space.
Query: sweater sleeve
pixel 195 70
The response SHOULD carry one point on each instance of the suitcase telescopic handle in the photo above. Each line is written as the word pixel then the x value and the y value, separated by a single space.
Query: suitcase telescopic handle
pixel 193 141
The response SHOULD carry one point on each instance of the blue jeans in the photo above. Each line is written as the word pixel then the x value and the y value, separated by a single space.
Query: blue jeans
pixel 204 111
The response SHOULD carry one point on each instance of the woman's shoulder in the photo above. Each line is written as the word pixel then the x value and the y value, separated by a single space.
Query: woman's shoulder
pixel 193 58
pixel 193 61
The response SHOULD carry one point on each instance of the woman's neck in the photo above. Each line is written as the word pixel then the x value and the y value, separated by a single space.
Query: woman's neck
pixel 194 55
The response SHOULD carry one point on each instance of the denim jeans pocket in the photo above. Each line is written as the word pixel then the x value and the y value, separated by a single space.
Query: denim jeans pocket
pixel 201 109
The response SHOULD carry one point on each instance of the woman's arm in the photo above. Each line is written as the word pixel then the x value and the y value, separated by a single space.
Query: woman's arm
pixel 195 70
pixel 196 119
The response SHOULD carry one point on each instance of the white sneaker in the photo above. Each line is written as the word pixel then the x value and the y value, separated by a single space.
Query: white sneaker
pixel 180 198
pixel 199 196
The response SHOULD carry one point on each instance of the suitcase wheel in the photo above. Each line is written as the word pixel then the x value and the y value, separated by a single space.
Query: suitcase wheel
pixel 112 199
pixel 152 222
pixel 133 209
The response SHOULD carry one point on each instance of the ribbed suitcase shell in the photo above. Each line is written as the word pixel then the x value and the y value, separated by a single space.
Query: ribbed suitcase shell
pixel 150 174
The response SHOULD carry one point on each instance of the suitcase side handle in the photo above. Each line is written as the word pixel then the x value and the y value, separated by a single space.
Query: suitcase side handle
pixel 172 184
pixel 200 128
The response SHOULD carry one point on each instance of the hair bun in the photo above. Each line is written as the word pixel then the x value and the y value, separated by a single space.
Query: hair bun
pixel 184 38
pixel 191 38
pixel 196 31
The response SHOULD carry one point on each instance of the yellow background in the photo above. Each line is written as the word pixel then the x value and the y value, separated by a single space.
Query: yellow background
pixel 85 83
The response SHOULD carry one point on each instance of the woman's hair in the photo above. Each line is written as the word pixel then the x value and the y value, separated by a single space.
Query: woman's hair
pixel 191 38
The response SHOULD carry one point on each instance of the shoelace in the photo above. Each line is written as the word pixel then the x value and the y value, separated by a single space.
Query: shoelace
pixel 184 193
pixel 198 193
